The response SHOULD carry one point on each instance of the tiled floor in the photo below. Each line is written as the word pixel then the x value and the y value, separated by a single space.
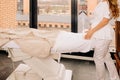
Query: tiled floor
pixel 82 70
pixel 5 66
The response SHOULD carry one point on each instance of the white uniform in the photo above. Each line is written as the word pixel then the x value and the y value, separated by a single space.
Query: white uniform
pixel 102 10
pixel 101 41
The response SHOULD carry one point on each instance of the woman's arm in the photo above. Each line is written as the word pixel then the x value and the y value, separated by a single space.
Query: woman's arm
pixel 98 27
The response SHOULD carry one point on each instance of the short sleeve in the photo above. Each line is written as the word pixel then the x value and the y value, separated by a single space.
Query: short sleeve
pixel 106 11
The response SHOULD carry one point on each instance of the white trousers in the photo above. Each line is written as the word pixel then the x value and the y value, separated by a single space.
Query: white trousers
pixel 102 57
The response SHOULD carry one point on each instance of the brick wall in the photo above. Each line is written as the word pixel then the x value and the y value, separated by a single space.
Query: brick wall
pixel 8 13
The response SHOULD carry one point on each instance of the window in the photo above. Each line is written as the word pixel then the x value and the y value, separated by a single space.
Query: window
pixel 20 6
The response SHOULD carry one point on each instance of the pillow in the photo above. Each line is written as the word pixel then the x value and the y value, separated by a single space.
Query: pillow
pixel 71 42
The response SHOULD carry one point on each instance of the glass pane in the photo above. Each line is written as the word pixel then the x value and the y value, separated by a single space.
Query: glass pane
pixel 82 6
pixel 85 9
pixel 54 14
pixel 22 13
pixel 51 7
pixel 82 15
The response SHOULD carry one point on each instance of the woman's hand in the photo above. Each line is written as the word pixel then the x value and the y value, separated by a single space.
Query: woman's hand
pixel 89 34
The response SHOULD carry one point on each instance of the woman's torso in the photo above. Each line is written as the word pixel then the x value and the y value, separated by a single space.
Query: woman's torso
pixel 101 11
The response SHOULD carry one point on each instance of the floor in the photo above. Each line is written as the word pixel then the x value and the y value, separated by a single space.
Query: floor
pixel 82 70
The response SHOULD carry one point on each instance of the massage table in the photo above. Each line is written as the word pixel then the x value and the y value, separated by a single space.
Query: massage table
pixel 38 49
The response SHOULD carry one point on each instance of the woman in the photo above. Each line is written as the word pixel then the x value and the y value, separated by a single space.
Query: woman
pixel 101 33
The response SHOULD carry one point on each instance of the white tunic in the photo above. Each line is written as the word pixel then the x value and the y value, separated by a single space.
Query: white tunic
pixel 102 11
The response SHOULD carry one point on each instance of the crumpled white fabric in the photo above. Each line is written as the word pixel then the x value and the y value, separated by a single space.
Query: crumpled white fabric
pixel 34 42
pixel 37 47
pixel 71 42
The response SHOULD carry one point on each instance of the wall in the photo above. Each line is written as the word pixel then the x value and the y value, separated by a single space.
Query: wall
pixel 8 13
pixel 91 6
pixel 25 7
